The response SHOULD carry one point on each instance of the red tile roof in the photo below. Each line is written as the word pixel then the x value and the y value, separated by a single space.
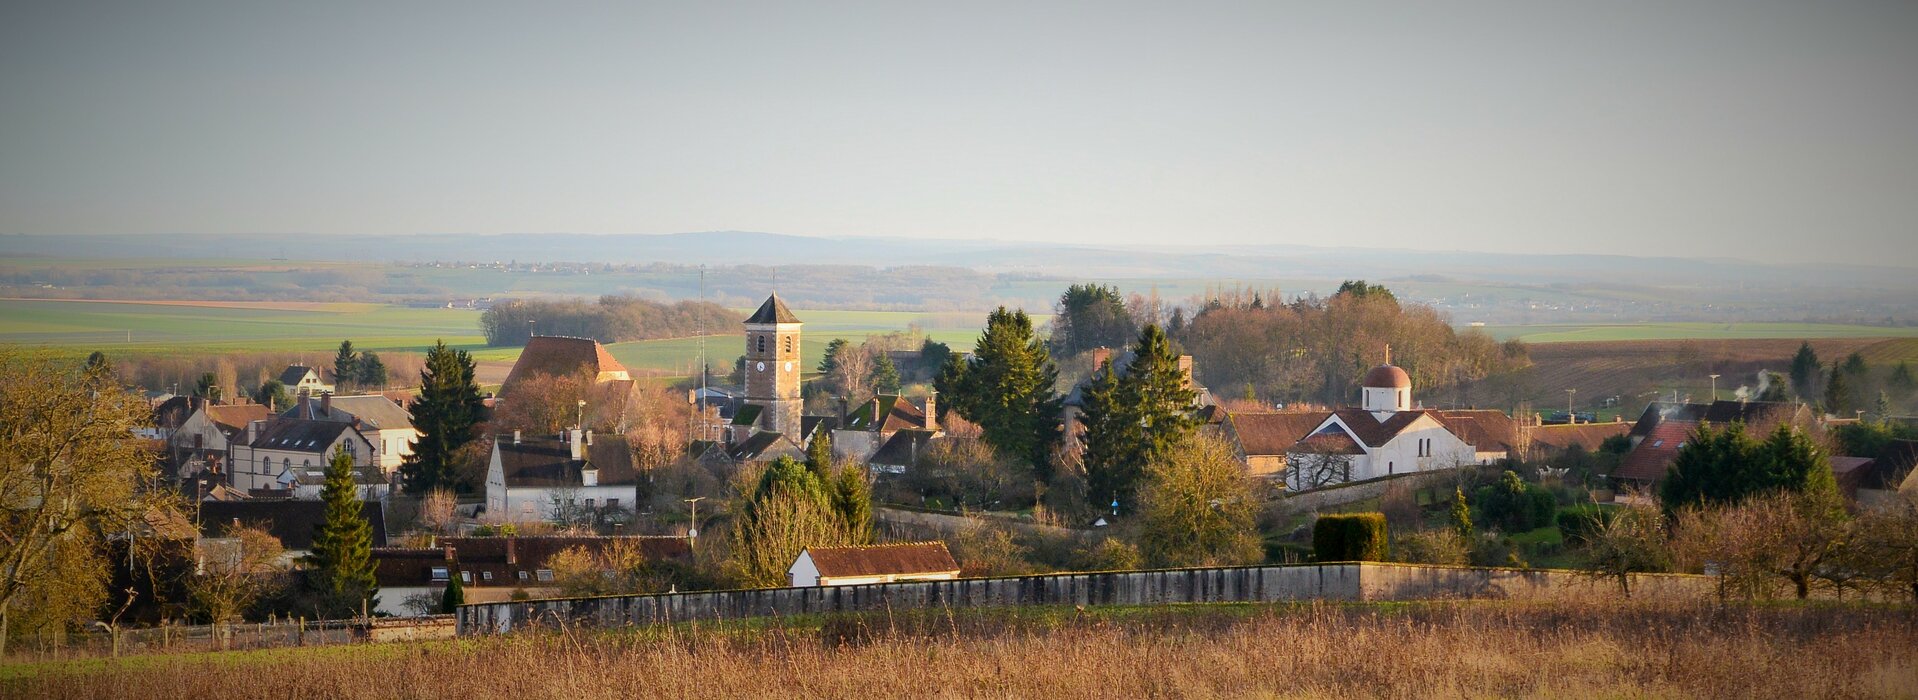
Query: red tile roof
pixel 1652 458
pixel 1585 435
pixel 562 356
pixel 883 559
pixel 1266 434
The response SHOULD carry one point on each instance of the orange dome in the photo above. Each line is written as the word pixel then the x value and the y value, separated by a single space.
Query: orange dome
pixel 1387 377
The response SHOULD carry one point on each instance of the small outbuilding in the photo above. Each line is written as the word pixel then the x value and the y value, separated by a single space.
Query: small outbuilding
pixel 880 563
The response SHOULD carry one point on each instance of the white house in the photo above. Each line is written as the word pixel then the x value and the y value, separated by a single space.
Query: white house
pixel 1386 435
pixel 384 422
pixel 880 563
pixel 542 479
pixel 301 380
pixel 205 438
pixel 280 454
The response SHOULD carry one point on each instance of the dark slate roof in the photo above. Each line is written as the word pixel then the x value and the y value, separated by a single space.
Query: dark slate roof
pixel 1759 416
pixel 883 559
pixel 505 557
pixel 1850 472
pixel 902 449
pixel 812 425
pixel 1892 468
pixel 299 435
pixel 545 462
pixel 773 311
pixel 291 521
pixel 294 374
pixel 1652 458
pixel 375 410
pixel 1273 433
pixel 756 446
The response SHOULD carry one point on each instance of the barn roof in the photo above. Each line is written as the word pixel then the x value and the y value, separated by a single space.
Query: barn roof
pixel 883 559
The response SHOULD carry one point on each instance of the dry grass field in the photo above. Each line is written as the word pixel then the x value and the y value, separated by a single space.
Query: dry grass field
pixel 1318 650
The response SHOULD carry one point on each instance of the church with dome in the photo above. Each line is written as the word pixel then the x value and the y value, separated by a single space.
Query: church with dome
pixel 1388 433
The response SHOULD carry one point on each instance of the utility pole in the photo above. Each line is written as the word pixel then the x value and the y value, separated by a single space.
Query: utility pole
pixel 705 429
pixel 693 531
pixel 1571 417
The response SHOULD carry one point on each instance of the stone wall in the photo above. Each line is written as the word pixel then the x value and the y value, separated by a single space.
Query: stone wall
pixel 1333 496
pixel 1336 581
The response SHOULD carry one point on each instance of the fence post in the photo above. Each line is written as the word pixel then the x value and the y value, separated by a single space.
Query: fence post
pixel 301 640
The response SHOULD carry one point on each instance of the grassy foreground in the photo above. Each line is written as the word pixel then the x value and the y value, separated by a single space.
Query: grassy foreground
pixel 1312 650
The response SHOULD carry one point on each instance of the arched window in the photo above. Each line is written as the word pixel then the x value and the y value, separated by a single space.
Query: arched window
pixel 762 343
pixel 789 343
pixel 266 465
pixel 286 463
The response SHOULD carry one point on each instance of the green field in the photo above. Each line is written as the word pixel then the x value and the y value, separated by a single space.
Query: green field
pixel 1575 332
pixel 148 327
pixel 211 327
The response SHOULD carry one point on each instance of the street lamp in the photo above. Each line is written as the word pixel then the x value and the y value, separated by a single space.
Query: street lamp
pixel 1570 417
pixel 579 416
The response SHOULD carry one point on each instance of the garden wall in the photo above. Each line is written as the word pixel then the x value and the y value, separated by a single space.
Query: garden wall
pixel 1336 581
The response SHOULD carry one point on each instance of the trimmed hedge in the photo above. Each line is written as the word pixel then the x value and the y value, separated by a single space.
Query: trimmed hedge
pixel 1350 537
pixel 1576 525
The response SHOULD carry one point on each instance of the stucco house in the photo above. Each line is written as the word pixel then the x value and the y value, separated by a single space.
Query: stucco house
pixel 301 380
pixel 879 563
pixel 381 420
pixel 284 455
pixel 573 474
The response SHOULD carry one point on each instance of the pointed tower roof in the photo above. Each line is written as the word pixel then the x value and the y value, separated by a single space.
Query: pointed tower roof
pixel 773 311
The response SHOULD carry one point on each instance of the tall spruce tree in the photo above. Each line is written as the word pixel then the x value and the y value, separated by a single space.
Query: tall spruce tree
pixel 342 556
pixel 831 361
pixel 346 364
pixel 447 413
pixel 370 371
pixel 1838 391
pixel 1141 417
pixel 1804 371
pixel 885 376
pixel 1007 389
pixel 819 454
pixel 454 596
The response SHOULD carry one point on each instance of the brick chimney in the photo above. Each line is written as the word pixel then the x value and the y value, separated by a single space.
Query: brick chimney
pixel 572 438
pixel 515 437
pixel 932 409
pixel 326 404
pixel 1100 356
pixel 512 552
pixel 306 406
pixel 1185 369
pixel 448 548
pixel 589 437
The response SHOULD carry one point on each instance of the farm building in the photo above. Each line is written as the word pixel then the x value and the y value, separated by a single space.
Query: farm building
pixel 880 563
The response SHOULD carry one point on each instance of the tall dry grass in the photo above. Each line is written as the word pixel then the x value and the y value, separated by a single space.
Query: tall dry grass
pixel 1417 650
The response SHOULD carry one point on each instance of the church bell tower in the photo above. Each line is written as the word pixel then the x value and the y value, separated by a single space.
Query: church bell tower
pixel 772 367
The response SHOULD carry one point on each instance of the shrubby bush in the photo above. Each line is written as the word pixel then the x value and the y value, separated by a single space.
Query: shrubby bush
pixel 1512 505
pixel 1350 537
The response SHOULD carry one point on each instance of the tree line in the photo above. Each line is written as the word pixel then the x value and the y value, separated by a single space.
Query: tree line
pixel 610 319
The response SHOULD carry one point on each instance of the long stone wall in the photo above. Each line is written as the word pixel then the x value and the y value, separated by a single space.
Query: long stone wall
pixel 1336 581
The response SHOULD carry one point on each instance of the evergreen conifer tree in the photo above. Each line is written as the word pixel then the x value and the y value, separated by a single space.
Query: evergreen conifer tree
pixel 454 596
pixel 370 372
pixel 342 558
pixel 447 412
pixel 1007 388
pixel 851 497
pixel 819 454
pixel 831 361
pixel 1136 419
pixel 1901 381
pixel 885 377
pixel 1838 391
pixel 1804 370
pixel 1461 514
pixel 346 364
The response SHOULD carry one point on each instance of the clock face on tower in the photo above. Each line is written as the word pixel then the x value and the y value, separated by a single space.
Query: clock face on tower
pixel 761 367
pixel 789 366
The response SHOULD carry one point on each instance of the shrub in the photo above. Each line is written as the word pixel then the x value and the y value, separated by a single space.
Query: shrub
pixel 1432 547
pixel 1350 537
pixel 1512 505
pixel 1577 525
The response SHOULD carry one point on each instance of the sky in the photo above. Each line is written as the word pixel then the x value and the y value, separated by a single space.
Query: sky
pixel 1767 131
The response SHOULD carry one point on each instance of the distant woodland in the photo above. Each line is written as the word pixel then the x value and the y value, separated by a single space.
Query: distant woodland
pixel 611 319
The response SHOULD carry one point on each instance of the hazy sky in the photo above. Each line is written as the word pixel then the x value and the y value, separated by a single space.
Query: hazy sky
pixel 1784 131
